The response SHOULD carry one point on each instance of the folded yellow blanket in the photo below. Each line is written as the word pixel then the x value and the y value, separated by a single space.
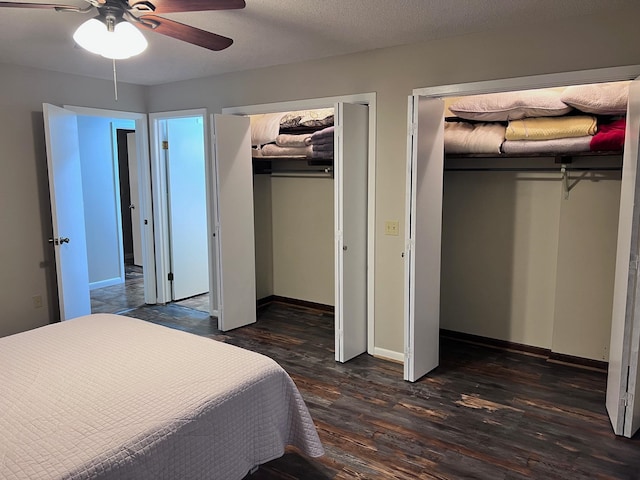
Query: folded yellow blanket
pixel 548 128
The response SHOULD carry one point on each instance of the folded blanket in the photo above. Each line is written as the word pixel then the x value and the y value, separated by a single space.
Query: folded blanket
pixel 321 117
pixel 556 145
pixel 264 128
pixel 286 140
pixel 548 128
pixel 323 147
pixel 463 137
pixel 610 136
pixel 273 150
pixel 323 136
pixel 324 155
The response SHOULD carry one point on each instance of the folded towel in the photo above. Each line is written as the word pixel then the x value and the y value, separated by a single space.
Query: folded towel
pixel 285 140
pixel 464 137
pixel 548 128
pixel 323 147
pixel 554 146
pixel 322 136
pixel 610 136
pixel 322 155
pixel 273 150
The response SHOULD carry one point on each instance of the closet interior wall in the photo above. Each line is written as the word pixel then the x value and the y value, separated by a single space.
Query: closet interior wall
pixel 294 225
pixel 526 263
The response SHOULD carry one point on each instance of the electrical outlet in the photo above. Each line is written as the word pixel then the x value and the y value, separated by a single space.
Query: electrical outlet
pixel 391 228
pixel 37 301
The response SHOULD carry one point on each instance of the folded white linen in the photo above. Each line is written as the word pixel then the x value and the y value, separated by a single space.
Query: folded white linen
pixel 463 137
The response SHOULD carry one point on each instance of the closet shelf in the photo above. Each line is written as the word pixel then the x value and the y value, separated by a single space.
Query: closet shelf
pixel 535 155
pixel 291 164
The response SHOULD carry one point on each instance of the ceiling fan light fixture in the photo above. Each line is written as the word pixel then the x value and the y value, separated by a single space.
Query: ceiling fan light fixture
pixel 122 41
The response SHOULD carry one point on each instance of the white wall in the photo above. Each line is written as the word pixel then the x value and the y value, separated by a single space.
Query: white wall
pixel 587 42
pixel 524 264
pixel 303 239
pixel 25 215
pixel 101 198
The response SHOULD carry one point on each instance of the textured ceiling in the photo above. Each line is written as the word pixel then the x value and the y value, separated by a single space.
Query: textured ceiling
pixel 273 32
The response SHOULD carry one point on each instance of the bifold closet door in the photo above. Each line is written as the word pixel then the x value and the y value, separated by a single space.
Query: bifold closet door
pixel 350 204
pixel 623 378
pixel 233 219
pixel 423 235
pixel 67 211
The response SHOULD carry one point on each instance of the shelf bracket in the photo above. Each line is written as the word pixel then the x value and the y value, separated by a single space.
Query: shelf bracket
pixel 565 181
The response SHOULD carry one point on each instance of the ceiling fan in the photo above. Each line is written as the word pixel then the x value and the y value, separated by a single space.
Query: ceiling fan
pixel 121 16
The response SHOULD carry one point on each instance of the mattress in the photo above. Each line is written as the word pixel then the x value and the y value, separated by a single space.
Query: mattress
pixel 111 397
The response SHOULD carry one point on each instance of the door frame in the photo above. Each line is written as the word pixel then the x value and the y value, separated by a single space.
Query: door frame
pixel 142 151
pixel 160 204
pixel 368 99
pixel 494 86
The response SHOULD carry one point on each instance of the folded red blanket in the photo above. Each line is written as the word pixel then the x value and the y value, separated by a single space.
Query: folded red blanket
pixel 610 136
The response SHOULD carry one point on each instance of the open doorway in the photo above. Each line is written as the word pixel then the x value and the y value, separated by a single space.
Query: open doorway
pixel 179 168
pixel 86 218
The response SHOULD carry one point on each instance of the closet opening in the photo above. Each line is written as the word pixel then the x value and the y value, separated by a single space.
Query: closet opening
pixel 520 220
pixel 310 171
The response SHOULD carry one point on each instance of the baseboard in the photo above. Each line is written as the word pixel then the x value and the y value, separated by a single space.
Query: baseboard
pixel 106 283
pixel 262 302
pixel 545 353
pixel 388 354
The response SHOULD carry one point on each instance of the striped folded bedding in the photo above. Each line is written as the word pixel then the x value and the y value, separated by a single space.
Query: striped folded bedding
pixel 549 128
pixel 553 146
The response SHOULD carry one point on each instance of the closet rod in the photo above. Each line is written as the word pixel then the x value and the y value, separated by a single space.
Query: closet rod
pixel 326 173
pixel 531 169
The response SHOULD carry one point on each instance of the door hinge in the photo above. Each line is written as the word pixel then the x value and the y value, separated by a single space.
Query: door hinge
pixel 165 145
pixel 627 399
pixel 170 277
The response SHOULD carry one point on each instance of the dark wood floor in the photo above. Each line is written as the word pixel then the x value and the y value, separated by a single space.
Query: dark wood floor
pixel 482 414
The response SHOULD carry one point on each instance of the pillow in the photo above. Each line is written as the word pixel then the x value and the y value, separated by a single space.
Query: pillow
pixel 265 128
pixel 500 107
pixel 599 98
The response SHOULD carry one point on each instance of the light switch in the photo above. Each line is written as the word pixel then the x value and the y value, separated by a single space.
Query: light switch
pixel 391 228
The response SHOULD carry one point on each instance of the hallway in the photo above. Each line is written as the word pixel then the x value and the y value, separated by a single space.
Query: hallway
pixel 130 294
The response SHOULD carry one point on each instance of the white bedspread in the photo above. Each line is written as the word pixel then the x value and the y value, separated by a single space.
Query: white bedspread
pixel 111 397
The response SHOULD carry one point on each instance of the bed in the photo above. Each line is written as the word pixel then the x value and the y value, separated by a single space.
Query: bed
pixel 111 397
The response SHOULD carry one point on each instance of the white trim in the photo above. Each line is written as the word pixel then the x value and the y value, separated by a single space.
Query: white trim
pixel 116 124
pixel 329 102
pixel 159 200
pixel 531 82
pixel 144 167
pixel 106 283
pixel 388 354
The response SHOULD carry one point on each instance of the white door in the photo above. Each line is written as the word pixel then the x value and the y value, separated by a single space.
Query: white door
pixel 233 219
pixel 187 207
pixel 350 204
pixel 623 379
pixel 67 211
pixel 134 188
pixel 423 236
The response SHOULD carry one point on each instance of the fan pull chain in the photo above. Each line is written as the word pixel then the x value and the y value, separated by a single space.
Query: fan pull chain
pixel 115 81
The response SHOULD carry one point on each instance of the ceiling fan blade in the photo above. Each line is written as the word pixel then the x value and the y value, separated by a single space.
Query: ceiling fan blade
pixel 36 5
pixel 186 33
pixel 177 6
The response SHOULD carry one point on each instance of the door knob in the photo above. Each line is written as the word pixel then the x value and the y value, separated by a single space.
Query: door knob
pixel 132 206
pixel 64 240
pixel 344 247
